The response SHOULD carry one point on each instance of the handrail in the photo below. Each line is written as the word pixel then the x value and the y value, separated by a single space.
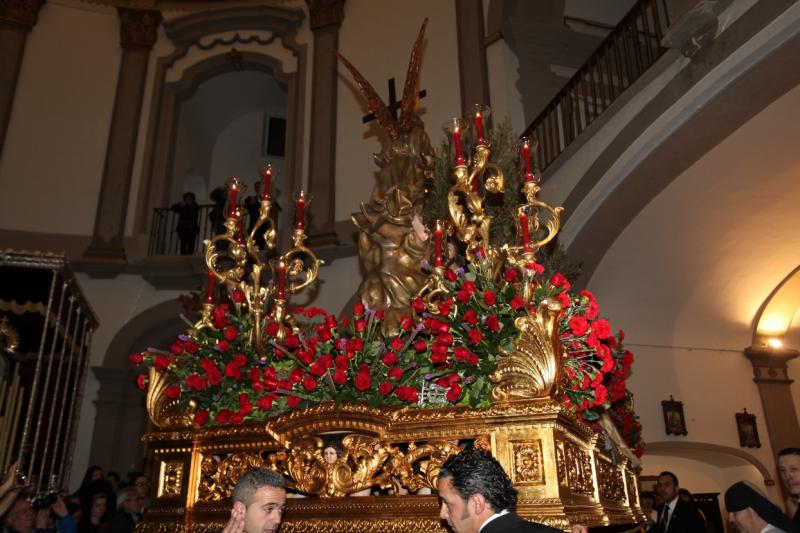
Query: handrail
pixel 620 59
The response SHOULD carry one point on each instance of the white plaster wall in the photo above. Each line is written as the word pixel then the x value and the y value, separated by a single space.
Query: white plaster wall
pixel 115 302
pixel 338 282
pixel 506 102
pixel 55 146
pixel 687 276
pixel 378 41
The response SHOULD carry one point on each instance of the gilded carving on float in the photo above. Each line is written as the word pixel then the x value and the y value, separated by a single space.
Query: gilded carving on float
pixel 170 479
pixel 527 460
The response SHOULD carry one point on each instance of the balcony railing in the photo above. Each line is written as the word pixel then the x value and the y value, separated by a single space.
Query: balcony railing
pixel 164 237
pixel 623 56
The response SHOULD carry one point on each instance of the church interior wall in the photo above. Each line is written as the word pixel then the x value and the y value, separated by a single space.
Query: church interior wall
pixel 391 37
pixel 55 146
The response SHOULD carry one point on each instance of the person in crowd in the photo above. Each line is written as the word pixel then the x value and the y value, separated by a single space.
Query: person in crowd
pixel 95 520
pixel 9 489
pixel 477 496
pixel 751 512
pixel 188 225
pixel 687 497
pixel 217 214
pixel 129 505
pixel 676 515
pixel 259 499
pixel 113 479
pixel 20 517
pixel 142 486
pixel 648 501
pixel 789 469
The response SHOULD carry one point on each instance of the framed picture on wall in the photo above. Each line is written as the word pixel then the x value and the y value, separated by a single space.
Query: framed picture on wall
pixel 748 430
pixel 674 422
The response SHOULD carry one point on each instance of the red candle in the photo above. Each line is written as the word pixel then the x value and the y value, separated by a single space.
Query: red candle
pixel 457 145
pixel 267 182
pixel 232 200
pixel 300 211
pixel 526 158
pixel 523 226
pixel 437 241
pixel 210 289
pixel 281 295
pixel 479 128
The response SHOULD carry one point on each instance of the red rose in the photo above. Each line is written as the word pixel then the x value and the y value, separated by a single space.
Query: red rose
pixel 536 267
pixel 600 395
pixel 378 314
pixel 355 345
pixel 317 369
pixel 395 373
pixel 360 325
pixel 363 381
pixel 558 280
pixel 450 275
pixel 470 317
pixel 385 387
pixel 272 329
pixel 296 376
pixel 510 275
pixel 469 286
pixel 224 416
pixel 339 376
pixel 238 297
pixel 292 401
pixel 493 323
pixel 136 358
pixel 390 359
pixel 232 370
pixel 173 391
pixel 516 303
pixel 201 417
pixel 475 336
pixel 420 345
pixel 342 362
pixel 309 383
pixel 237 419
pixel 444 339
pixel 292 342
pixel 463 296
pixel 358 310
pixel 214 377
pixel 418 305
pixel 230 333
pixel 578 325
pixel 265 403
pixel 444 308
pixel 176 348
pixel 406 323
pixel 141 381
pixel 196 382
pixel 439 358
pixel 564 299
pixel 454 393
pixel 627 358
pixel 472 359
pixel 223 346
pixel 601 328
pixel 305 356
pixel 191 347
pixel 489 297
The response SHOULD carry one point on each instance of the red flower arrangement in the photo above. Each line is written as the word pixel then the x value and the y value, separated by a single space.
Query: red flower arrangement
pixel 435 359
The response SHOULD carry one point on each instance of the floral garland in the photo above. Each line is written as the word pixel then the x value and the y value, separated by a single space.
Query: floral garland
pixel 436 359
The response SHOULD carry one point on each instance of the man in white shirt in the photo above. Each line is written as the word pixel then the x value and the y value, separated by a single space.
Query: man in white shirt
pixel 752 512
pixel 258 502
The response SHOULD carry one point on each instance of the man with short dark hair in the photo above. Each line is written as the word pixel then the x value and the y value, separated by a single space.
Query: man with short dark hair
pixel 259 499
pixel 789 469
pixel 676 515
pixel 477 496
pixel 751 512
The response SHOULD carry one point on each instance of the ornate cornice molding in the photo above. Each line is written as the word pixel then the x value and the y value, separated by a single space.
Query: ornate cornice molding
pixel 23 13
pixel 325 13
pixel 138 28
pixel 770 365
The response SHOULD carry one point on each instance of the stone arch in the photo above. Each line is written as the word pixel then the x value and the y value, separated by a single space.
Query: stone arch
pixel 712 453
pixel 120 417
pixel 187 32
pixel 777 313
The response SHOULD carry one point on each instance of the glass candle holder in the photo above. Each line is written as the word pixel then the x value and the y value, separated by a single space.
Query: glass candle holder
pixel 526 147
pixel 480 115
pixel 455 129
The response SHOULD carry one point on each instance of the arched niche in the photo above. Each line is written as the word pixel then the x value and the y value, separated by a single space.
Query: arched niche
pixel 779 311
pixel 120 416
pixel 193 32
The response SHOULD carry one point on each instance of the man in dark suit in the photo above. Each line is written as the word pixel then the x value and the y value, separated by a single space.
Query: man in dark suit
pixel 477 496
pixel 676 515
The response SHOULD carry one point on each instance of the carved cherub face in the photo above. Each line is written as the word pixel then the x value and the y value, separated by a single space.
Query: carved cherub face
pixel 330 454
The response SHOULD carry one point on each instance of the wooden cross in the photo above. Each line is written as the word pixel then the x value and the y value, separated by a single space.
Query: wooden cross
pixel 394 104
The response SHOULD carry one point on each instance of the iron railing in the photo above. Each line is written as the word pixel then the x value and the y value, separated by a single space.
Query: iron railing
pixel 623 56
pixel 164 238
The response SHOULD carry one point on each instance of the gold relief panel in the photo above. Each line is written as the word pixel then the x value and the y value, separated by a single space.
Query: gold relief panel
pixel 609 476
pixel 170 479
pixel 561 466
pixel 397 525
pixel 633 491
pixel 526 457
pixel 579 469
pixel 219 475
